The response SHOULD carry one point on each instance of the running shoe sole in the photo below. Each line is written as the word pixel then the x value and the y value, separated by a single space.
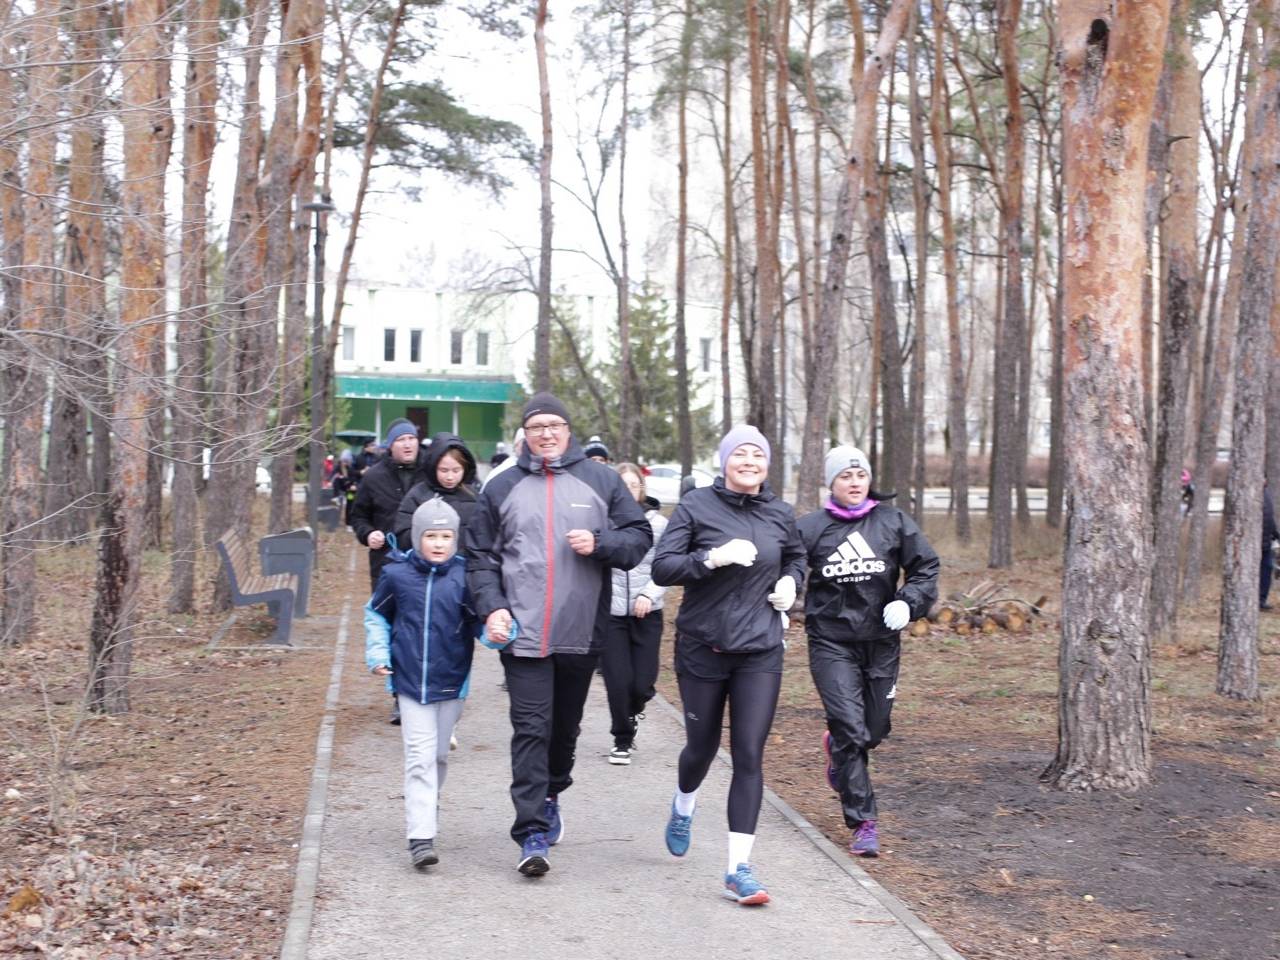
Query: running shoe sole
pixel 534 866
pixel 756 899
pixel 618 761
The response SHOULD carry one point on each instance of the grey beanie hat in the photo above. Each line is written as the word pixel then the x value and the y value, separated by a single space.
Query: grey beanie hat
pixel 434 514
pixel 841 458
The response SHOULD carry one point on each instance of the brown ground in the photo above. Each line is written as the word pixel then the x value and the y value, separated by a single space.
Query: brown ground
pixel 180 819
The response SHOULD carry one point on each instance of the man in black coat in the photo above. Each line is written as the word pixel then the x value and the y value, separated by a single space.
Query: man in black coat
pixel 373 515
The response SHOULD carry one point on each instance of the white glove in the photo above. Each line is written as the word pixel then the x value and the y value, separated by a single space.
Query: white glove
pixel 784 593
pixel 897 614
pixel 741 552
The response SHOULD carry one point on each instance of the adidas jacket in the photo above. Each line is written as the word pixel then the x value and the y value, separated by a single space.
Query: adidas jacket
pixel 728 608
pixel 854 568
pixel 518 558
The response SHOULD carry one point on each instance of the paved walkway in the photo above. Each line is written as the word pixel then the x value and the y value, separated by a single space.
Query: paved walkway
pixel 613 890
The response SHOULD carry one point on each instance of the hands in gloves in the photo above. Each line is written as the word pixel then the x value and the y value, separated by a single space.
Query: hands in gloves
pixel 741 552
pixel 896 614
pixel 784 594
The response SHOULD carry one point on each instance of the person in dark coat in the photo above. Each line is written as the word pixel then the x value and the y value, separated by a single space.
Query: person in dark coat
pixel 451 476
pixel 1269 535
pixel 500 454
pixel 539 549
pixel 858 549
pixel 734 548
pixel 373 515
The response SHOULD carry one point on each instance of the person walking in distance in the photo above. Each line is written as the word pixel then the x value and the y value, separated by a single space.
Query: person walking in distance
pixel 735 549
pixel 383 486
pixel 420 633
pixel 539 548
pixel 632 632
pixel 859 549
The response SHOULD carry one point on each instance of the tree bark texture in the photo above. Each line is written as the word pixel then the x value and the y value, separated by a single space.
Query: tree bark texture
pixel 33 356
pixel 1178 312
pixel 241 365
pixel 957 403
pixel 1242 515
pixel 684 424
pixel 626 376
pixel 1011 343
pixel 920 208
pixel 1109 61
pixel 728 249
pixel 13 368
pixel 193 328
pixel 820 383
pixel 542 340
pixel 147 136
pixel 69 500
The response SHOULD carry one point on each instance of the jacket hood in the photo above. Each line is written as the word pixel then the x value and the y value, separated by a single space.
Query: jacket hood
pixel 651 503
pixel 742 499
pixel 535 464
pixel 442 443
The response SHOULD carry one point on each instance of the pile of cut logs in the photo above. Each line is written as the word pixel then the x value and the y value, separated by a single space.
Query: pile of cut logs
pixel 985 608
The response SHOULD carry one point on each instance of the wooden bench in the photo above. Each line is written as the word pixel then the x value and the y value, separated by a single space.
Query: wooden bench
pixel 278 592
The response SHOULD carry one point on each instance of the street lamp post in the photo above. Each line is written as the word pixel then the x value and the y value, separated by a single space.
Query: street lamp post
pixel 315 472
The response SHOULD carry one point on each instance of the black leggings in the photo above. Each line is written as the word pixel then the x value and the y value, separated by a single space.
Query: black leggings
pixel 752 699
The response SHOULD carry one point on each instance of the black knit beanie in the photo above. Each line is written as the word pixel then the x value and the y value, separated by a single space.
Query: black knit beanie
pixel 543 403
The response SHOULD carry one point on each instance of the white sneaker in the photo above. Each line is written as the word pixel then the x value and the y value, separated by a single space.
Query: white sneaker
pixel 620 756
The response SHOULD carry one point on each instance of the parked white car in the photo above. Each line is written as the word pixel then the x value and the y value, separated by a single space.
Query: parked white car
pixel 662 482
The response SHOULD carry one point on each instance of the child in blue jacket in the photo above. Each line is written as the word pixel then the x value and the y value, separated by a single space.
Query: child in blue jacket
pixel 420 632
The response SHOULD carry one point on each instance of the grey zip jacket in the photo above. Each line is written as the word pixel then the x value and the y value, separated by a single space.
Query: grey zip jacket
pixel 519 559
pixel 628 585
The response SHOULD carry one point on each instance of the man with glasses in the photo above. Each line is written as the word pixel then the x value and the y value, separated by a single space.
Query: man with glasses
pixel 540 546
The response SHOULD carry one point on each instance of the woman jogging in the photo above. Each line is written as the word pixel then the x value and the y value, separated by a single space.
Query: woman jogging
pixel 735 549
pixel 632 631
pixel 854 612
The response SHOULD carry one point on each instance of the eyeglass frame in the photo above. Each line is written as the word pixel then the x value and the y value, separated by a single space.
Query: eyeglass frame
pixel 547 429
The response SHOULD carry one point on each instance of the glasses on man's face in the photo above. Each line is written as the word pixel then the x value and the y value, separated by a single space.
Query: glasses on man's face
pixel 545 429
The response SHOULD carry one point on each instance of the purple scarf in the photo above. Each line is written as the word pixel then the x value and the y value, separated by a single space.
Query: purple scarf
pixel 850 513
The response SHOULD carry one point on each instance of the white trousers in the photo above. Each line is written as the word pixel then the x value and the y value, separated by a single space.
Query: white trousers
pixel 426 729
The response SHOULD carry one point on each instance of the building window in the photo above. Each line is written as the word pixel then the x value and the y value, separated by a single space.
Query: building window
pixel 415 346
pixel 706 354
pixel 348 343
pixel 389 344
pixel 482 349
pixel 455 347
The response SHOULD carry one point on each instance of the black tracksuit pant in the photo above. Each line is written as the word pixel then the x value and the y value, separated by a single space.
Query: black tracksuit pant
pixel 629 662
pixel 547 697
pixel 857 682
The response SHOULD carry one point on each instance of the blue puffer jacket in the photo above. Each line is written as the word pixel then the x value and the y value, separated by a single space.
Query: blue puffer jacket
pixel 419 622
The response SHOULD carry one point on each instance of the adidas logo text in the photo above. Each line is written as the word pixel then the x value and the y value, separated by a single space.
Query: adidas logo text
pixel 854 556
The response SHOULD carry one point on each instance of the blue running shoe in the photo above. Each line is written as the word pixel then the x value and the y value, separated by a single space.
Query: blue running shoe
pixel 555 822
pixel 741 885
pixel 533 856
pixel 678 830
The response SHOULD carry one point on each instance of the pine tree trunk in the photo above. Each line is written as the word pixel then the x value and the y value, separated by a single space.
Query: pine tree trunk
pixel 1242 516
pixel 542 340
pixel 957 404
pixel 920 208
pixel 1010 345
pixel 241 360
pixel 286 256
pixel 147 137
pixel 860 168
pixel 1110 61
pixel 627 440
pixel 28 390
pixel 764 339
pixel 69 499
pixel 193 325
pixel 1178 328
pixel 729 248
pixel 684 424
pixel 12 362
